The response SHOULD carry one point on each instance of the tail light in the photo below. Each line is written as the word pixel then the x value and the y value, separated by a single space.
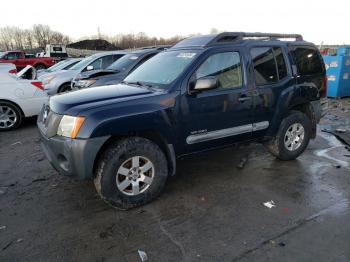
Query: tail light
pixel 13 71
pixel 38 84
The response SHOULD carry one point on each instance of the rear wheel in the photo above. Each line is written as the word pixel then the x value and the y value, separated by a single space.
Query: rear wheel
pixel 292 138
pixel 131 172
pixel 10 116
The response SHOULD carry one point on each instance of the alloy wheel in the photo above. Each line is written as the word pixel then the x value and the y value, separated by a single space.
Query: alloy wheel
pixel 135 175
pixel 8 117
pixel 294 137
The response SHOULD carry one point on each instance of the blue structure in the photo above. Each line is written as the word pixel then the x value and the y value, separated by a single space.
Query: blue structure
pixel 338 72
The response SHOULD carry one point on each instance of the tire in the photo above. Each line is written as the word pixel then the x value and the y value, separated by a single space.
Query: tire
pixel 117 160
pixel 65 88
pixel 10 116
pixel 40 67
pixel 286 144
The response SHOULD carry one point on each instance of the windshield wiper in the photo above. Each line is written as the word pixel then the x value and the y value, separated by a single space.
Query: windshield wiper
pixel 137 83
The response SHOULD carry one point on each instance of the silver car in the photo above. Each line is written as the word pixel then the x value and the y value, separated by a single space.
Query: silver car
pixel 62 65
pixel 60 81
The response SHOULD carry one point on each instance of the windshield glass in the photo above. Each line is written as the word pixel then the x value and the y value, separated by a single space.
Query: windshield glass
pixel 2 54
pixel 55 67
pixel 83 63
pixel 162 69
pixel 123 63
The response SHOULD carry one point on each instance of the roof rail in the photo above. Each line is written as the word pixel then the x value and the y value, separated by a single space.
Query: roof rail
pixel 237 36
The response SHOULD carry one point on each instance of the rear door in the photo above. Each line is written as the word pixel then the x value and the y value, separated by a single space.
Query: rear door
pixel 271 75
pixel 309 67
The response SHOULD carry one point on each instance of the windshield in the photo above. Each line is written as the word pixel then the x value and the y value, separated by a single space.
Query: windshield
pixel 123 63
pixel 2 54
pixel 83 63
pixel 162 69
pixel 66 64
pixel 57 66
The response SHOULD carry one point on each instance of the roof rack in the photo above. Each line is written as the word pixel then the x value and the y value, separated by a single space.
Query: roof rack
pixel 237 36
pixel 231 37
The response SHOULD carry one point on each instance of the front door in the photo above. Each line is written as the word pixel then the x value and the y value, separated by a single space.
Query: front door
pixel 220 116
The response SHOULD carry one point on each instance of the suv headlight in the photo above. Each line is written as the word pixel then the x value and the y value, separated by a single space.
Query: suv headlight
pixel 85 83
pixel 48 80
pixel 70 126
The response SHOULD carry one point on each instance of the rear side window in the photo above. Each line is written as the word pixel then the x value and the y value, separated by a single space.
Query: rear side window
pixel 308 61
pixel 269 65
pixel 281 63
pixel 265 69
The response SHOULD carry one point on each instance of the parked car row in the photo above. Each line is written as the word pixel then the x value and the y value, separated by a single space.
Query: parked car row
pixel 204 93
pixel 105 68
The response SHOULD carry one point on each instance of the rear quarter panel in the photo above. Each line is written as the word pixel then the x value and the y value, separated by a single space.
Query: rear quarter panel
pixel 21 92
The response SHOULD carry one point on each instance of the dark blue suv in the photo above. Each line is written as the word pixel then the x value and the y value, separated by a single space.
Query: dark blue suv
pixel 204 93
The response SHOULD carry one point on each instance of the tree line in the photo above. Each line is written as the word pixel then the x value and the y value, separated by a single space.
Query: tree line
pixel 39 36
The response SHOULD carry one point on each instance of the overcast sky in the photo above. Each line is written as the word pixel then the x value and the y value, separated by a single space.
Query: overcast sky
pixel 318 21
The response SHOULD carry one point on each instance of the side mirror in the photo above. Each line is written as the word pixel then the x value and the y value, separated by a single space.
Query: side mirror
pixel 89 68
pixel 205 83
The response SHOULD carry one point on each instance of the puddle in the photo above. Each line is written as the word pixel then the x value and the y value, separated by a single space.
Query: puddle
pixel 334 143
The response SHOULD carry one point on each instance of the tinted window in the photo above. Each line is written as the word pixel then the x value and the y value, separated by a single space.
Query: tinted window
pixel 11 56
pixel 225 66
pixel 281 63
pixel 308 61
pixel 264 65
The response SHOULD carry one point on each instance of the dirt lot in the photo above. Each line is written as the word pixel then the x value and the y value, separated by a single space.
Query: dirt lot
pixel 210 211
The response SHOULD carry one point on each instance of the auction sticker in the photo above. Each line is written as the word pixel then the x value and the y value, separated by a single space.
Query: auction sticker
pixel 331 78
pixel 186 55
pixel 334 64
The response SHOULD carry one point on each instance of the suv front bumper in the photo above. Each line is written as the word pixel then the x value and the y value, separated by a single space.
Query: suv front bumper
pixel 72 157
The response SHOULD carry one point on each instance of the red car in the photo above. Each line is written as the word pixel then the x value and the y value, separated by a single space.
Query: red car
pixel 21 60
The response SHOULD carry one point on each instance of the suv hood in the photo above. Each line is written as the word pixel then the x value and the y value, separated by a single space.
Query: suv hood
pixel 74 102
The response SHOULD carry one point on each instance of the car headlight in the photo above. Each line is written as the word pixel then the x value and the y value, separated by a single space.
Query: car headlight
pixel 48 80
pixel 70 126
pixel 85 83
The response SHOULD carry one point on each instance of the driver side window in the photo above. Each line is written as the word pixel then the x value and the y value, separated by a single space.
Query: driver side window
pixel 225 66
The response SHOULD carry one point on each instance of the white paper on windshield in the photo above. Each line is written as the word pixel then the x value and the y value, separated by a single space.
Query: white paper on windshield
pixel 134 57
pixel 186 55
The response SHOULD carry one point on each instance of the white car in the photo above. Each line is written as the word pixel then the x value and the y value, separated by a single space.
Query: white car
pixel 19 98
pixel 6 68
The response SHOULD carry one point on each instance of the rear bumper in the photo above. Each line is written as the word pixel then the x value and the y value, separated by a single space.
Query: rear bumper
pixel 72 157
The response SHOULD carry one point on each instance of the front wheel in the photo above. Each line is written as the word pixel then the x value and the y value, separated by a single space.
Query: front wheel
pixel 292 138
pixel 131 172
